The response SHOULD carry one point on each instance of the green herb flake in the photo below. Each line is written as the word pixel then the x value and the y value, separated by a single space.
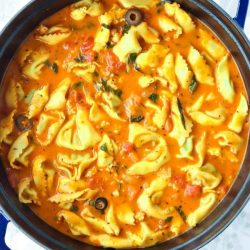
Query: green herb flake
pixel 153 97
pixel 162 2
pixel 47 63
pixel 106 26
pixel 91 203
pixel 193 86
pixel 79 59
pixel 90 25
pixel 181 213
pixel 109 45
pixel 136 67
pixel 96 74
pixel 74 208
pixel 54 67
pixel 118 92
pixel 104 148
pixel 78 85
pixel 136 118
pixel 181 113
pixel 125 29
pixel 132 58
pixel 169 219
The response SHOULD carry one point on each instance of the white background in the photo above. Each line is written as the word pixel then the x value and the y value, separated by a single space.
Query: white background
pixel 235 237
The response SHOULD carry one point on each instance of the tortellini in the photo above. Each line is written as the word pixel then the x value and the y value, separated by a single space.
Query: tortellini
pixel 129 43
pixel 153 193
pixel 78 133
pixel 19 151
pixel 34 63
pixel 229 139
pixel 26 193
pixel 182 71
pixel 107 150
pixel 207 118
pixel 202 71
pixel 48 126
pixel 206 204
pixel 206 176
pixel 237 121
pixel 53 35
pixel 76 224
pixel 146 4
pixel 43 175
pixel 80 9
pixel 14 94
pixel 57 98
pixel 179 132
pixel 168 25
pixel 125 214
pixel 224 84
pixel 180 16
pixel 38 100
pixel 6 127
pixel 152 57
pixel 213 47
pixel 153 160
pixel 109 225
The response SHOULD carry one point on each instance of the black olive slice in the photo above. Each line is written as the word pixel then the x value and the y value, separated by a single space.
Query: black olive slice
pixel 133 17
pixel 23 123
pixel 101 203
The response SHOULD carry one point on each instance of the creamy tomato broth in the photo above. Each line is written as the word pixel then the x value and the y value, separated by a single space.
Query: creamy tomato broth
pixel 122 124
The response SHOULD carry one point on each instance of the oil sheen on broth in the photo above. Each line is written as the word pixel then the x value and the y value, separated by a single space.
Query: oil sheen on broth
pixel 122 124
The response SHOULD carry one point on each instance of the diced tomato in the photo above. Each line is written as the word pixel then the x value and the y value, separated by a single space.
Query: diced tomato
pixel 90 56
pixel 127 147
pixel 87 45
pixel 77 97
pixel 193 191
pixel 180 180
pixel 113 63
pixel 133 192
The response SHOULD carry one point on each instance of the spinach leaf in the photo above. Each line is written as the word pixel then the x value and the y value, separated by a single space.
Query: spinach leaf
pixel 78 85
pixel 169 219
pixel 132 58
pixel 54 67
pixel 193 86
pixel 106 26
pixel 181 213
pixel 79 59
pixel 153 97
pixel 138 118
pixel 181 113
pixel 104 148
pixel 125 29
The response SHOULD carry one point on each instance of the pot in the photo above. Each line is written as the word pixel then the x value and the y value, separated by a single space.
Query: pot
pixel 237 43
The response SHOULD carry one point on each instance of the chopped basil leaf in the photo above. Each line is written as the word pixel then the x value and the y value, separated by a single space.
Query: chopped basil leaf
pixel 169 219
pixel 96 74
pixel 118 92
pixel 181 213
pixel 136 118
pixel 54 67
pixel 125 29
pixel 153 97
pixel 74 208
pixel 78 85
pixel 104 148
pixel 47 63
pixel 91 203
pixel 132 57
pixel 181 113
pixel 109 45
pixel 79 59
pixel 193 86
pixel 136 67
pixel 106 26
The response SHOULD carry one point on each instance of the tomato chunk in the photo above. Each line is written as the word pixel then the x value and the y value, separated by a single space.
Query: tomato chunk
pixel 77 97
pixel 113 63
pixel 180 180
pixel 127 147
pixel 88 44
pixel 193 191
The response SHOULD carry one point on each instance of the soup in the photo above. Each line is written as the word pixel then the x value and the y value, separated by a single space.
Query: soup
pixel 122 124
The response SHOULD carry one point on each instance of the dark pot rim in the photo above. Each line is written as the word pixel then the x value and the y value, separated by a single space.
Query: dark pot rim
pixel 227 210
